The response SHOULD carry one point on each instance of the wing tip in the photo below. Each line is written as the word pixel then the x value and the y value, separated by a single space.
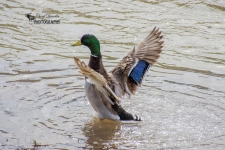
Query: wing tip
pixel 76 60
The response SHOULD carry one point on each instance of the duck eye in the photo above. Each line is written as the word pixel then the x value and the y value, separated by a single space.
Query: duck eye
pixel 85 41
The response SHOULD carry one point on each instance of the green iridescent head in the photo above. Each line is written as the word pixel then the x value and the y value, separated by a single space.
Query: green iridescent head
pixel 91 42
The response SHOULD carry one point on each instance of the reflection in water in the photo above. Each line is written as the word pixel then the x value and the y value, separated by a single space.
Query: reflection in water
pixel 101 133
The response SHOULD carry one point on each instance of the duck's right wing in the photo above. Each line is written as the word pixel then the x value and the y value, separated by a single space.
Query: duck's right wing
pixel 129 73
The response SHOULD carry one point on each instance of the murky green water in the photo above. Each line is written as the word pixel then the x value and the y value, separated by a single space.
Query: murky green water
pixel 182 100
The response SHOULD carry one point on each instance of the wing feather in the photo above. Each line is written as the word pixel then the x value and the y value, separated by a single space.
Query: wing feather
pixel 148 50
pixel 98 80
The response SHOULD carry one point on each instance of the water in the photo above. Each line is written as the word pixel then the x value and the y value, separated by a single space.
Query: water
pixel 181 100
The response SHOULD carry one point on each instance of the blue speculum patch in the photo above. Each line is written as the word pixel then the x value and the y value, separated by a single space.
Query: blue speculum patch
pixel 139 70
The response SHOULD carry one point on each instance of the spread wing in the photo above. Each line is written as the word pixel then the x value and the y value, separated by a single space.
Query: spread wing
pixel 129 73
pixel 98 81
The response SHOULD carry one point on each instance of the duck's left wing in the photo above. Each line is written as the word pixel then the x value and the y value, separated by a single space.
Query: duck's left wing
pixel 129 73
pixel 98 80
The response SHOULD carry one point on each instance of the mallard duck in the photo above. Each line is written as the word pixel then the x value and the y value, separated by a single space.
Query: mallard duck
pixel 105 89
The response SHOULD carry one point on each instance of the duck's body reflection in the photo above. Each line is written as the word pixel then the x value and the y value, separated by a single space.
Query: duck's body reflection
pixel 101 133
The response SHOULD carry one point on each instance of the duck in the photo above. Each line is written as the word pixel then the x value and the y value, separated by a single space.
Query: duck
pixel 105 89
pixel 30 17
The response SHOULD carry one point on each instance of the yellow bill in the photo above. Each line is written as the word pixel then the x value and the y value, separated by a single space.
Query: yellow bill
pixel 77 43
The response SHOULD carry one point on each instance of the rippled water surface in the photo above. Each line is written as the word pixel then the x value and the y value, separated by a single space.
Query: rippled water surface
pixel 181 101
